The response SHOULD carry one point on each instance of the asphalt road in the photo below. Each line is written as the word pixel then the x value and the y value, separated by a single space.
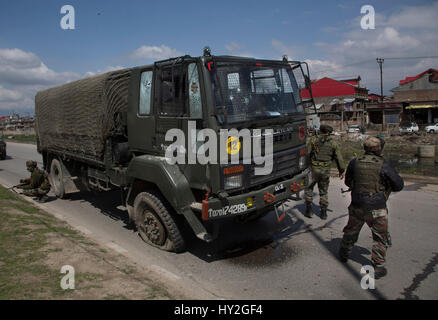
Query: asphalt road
pixel 294 259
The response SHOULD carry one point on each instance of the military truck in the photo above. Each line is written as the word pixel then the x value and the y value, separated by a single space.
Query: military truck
pixel 108 132
pixel 2 146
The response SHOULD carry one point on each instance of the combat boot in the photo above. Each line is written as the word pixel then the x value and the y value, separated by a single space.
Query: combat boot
pixel 379 271
pixel 323 213
pixel 343 255
pixel 309 212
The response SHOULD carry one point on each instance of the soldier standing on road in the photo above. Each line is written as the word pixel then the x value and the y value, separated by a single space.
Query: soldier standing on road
pixel 371 180
pixel 322 151
pixel 37 185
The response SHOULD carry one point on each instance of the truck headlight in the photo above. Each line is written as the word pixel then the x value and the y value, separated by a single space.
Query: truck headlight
pixel 233 182
pixel 302 162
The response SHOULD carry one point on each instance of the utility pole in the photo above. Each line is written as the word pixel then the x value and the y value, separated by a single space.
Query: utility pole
pixel 380 62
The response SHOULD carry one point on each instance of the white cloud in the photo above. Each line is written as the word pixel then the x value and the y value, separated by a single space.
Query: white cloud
pixel 407 32
pixel 233 47
pixel 423 17
pixel 237 49
pixel 360 44
pixel 22 74
pixel 283 49
pixel 18 67
pixel 18 58
pixel 107 69
pixel 7 95
pixel 154 52
pixel 322 67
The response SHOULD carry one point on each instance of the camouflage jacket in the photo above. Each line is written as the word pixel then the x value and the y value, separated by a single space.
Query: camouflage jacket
pixel 38 179
pixel 323 150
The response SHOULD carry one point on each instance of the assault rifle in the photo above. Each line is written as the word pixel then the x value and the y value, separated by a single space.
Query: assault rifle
pixel 17 185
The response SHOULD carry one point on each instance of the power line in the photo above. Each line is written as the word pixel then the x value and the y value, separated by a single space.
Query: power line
pixel 403 58
pixel 372 60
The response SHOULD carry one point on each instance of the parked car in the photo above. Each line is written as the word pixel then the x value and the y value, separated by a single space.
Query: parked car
pixel 408 127
pixel 355 128
pixel 432 128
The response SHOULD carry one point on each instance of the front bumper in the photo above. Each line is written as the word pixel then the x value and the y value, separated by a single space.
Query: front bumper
pixel 253 201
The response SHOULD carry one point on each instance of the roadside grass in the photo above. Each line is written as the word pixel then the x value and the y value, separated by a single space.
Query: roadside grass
pixel 22 138
pixel 350 150
pixel 23 236
pixel 34 246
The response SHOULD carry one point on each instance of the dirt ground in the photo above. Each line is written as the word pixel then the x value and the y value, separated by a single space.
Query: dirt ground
pixel 34 246
pixel 406 144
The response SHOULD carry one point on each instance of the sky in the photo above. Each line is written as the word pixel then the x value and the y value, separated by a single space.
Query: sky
pixel 36 53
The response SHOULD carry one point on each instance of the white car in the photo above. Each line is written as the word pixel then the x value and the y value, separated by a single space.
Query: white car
pixel 408 127
pixel 432 128
pixel 353 128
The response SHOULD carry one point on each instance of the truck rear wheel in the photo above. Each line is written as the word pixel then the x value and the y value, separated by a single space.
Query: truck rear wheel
pixel 56 178
pixel 155 225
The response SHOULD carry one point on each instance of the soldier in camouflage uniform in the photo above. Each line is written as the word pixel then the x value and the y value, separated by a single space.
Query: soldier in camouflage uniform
pixel 37 185
pixel 322 151
pixel 370 179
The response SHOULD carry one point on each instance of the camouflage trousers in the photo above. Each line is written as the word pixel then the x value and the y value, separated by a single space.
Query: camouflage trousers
pixel 38 192
pixel 320 176
pixel 377 220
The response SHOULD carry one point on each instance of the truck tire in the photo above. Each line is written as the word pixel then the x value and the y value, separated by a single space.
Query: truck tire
pixel 155 224
pixel 56 178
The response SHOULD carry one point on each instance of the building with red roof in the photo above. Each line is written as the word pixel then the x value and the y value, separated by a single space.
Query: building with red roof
pixel 430 72
pixel 331 88
pixel 419 96
pixel 372 97
pixel 339 102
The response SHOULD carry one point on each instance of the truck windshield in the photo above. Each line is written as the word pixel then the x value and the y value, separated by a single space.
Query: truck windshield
pixel 246 92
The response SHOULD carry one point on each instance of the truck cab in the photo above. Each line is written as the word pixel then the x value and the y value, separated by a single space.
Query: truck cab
pixel 218 93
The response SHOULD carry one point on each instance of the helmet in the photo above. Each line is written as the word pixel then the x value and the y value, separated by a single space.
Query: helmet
pixel 325 129
pixel 373 144
pixel 31 164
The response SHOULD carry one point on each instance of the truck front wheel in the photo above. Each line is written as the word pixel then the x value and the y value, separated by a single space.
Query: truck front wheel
pixel 56 178
pixel 155 225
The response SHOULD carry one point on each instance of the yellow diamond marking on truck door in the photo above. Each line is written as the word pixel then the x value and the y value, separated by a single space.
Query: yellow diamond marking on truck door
pixel 233 145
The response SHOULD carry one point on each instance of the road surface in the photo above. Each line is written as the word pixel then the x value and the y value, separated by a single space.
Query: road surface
pixel 294 259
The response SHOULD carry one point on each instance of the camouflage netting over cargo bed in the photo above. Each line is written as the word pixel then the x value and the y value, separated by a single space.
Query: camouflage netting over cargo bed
pixel 79 116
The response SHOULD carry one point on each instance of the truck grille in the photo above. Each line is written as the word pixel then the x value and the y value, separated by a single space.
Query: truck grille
pixel 284 163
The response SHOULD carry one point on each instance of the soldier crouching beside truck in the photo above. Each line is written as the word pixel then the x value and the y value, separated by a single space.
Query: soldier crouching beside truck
pixel 370 179
pixel 37 185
